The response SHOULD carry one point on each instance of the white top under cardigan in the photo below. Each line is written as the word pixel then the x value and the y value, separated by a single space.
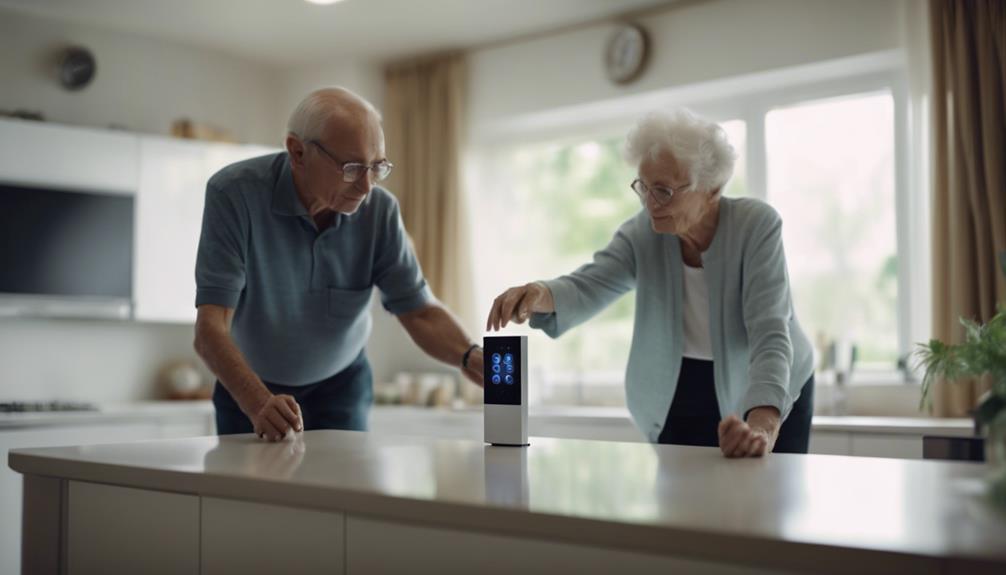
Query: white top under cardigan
pixel 696 315
pixel 760 354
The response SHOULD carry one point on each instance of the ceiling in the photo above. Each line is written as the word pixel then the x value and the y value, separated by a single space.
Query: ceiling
pixel 292 31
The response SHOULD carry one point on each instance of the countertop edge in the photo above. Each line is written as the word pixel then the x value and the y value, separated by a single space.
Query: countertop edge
pixel 659 540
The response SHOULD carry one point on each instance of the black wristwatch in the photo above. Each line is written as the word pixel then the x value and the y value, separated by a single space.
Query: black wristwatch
pixel 464 358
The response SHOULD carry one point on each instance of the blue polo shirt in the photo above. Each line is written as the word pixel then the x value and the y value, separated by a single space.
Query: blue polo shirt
pixel 300 297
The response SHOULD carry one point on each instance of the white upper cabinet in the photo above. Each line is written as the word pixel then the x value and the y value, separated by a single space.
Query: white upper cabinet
pixel 168 178
pixel 173 175
pixel 39 154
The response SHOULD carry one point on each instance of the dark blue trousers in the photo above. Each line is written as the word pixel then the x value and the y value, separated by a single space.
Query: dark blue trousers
pixel 340 402
pixel 695 414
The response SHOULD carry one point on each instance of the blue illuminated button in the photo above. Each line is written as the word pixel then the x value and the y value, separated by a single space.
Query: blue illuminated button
pixel 496 368
pixel 509 367
pixel 508 358
pixel 508 379
pixel 496 378
pixel 496 358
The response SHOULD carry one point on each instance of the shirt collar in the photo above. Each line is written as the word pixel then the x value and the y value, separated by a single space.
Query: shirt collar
pixel 285 200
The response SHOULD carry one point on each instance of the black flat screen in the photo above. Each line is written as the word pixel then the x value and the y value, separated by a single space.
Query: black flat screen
pixel 62 243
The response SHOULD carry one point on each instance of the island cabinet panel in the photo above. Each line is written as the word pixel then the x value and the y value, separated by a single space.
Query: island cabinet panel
pixel 123 530
pixel 251 538
pixel 378 546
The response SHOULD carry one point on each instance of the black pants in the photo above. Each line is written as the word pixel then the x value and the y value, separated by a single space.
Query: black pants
pixel 695 414
pixel 339 402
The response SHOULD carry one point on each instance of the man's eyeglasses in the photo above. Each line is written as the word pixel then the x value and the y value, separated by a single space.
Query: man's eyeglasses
pixel 353 171
pixel 662 194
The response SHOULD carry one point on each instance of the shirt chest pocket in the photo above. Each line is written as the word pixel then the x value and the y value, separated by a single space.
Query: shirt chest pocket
pixel 347 303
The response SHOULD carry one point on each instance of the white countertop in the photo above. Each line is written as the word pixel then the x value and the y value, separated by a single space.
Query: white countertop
pixel 599 416
pixel 917 426
pixel 789 510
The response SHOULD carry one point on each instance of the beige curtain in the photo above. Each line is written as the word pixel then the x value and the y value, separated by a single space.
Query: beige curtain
pixel 969 178
pixel 425 123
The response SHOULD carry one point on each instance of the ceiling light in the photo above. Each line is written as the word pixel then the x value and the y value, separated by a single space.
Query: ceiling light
pixel 322 2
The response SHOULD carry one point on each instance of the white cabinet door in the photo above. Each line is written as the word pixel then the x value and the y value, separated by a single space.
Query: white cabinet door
pixel 375 546
pixel 169 212
pixel 887 445
pixel 123 530
pixel 830 442
pixel 38 154
pixel 11 483
pixel 251 538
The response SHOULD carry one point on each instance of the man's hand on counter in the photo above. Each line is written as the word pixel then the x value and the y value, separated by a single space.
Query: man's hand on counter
pixel 277 417
pixel 752 438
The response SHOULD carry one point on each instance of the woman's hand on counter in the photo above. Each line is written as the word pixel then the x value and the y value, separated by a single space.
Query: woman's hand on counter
pixel 518 303
pixel 752 438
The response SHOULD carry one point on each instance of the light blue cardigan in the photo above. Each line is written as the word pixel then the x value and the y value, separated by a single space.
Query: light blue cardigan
pixel 760 354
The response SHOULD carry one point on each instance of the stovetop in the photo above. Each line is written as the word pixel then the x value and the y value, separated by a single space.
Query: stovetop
pixel 45 406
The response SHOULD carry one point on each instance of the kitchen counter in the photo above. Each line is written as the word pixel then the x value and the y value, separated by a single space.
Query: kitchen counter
pixel 602 417
pixel 605 501
pixel 123 412
pixel 871 424
pixel 841 435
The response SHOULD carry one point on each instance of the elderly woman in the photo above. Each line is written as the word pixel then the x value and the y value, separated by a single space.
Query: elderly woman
pixel 717 358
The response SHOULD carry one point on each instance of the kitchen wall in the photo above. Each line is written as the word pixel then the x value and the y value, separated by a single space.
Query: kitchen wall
pixel 364 78
pixel 94 361
pixel 691 42
pixel 143 84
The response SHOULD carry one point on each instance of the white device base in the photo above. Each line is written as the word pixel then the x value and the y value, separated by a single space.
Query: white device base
pixel 506 424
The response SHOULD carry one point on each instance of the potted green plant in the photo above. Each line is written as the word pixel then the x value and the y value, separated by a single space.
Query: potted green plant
pixel 982 353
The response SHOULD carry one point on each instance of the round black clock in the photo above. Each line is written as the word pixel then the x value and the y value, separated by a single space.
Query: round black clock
pixel 77 68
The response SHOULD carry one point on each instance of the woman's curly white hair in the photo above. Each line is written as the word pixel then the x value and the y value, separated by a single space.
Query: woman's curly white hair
pixel 700 147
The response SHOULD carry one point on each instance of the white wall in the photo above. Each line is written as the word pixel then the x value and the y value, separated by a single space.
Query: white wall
pixel 141 84
pixel 364 78
pixel 691 43
pixel 96 361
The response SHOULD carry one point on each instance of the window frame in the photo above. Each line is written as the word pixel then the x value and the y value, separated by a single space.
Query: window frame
pixel 750 98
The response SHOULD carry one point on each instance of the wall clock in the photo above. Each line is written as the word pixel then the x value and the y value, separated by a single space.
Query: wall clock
pixel 76 68
pixel 626 53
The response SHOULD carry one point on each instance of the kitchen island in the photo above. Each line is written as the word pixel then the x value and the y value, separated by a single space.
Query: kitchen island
pixel 349 502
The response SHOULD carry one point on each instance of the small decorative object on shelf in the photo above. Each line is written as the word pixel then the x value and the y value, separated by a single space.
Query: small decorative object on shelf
pixel 182 380
pixel 189 130
pixel 23 115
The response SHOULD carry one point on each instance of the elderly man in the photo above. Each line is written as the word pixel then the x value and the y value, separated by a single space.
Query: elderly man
pixel 292 245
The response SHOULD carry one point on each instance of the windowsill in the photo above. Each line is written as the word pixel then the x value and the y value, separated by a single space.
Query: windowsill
pixel 866 378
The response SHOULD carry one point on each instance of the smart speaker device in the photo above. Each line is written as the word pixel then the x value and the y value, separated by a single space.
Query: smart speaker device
pixel 505 366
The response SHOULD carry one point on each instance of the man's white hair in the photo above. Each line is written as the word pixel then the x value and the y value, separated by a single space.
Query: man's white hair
pixel 308 119
pixel 700 147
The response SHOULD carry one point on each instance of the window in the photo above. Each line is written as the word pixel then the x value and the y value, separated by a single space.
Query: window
pixel 824 156
pixel 736 131
pixel 831 177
